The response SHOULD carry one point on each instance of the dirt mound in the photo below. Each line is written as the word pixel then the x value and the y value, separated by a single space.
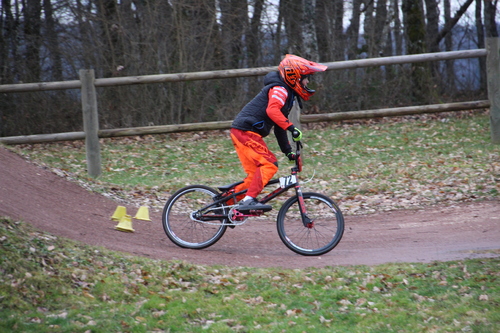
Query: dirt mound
pixel 63 208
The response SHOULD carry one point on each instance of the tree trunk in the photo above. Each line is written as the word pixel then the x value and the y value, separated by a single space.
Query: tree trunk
pixel 53 42
pixel 323 31
pixel 254 42
pixel 352 32
pixel 254 36
pixel 369 29
pixel 490 24
pixel 338 31
pixel 234 18
pixel 330 30
pixel 8 45
pixel 415 37
pixel 32 26
pixel 196 44
pixel 84 30
pixel 4 27
pixel 111 33
pixel 480 45
pixel 432 28
pixel 381 26
pixel 309 40
pixel 448 42
pixel 293 17
pixel 398 36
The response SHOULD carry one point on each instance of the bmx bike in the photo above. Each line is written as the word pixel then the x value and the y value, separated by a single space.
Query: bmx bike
pixel 308 223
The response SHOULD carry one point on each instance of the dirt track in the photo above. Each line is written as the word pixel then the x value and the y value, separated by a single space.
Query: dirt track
pixel 55 205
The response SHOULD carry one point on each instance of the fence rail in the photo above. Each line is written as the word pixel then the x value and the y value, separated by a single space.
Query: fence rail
pixel 88 83
pixel 223 125
pixel 233 73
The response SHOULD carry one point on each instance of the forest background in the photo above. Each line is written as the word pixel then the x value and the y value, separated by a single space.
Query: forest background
pixel 51 40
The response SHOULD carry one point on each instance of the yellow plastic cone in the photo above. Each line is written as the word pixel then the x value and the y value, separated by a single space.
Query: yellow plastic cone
pixel 125 224
pixel 142 214
pixel 120 212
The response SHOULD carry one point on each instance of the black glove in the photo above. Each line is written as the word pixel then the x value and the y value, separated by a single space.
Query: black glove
pixel 291 156
pixel 296 133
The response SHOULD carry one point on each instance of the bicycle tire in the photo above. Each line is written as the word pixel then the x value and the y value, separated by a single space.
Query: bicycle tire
pixel 327 229
pixel 178 223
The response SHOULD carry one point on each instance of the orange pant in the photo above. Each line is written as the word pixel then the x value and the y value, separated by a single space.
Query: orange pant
pixel 258 161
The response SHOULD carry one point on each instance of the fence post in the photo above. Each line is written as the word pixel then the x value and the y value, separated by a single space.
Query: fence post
pixel 90 122
pixel 493 74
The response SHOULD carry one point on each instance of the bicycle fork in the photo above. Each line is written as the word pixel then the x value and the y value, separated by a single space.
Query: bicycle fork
pixel 308 223
pixel 285 184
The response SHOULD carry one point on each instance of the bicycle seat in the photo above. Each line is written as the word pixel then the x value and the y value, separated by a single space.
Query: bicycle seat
pixel 226 188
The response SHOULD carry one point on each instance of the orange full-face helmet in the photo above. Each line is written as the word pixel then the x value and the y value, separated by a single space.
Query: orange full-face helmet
pixel 293 69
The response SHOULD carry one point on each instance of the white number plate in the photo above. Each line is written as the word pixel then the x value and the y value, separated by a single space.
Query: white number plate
pixel 287 181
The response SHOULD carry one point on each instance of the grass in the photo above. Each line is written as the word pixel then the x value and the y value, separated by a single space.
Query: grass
pixel 50 284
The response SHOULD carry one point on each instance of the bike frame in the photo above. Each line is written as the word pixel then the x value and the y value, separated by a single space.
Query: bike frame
pixel 286 183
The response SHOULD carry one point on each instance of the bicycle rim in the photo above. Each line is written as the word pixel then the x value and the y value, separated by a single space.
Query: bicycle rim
pixel 322 236
pixel 181 228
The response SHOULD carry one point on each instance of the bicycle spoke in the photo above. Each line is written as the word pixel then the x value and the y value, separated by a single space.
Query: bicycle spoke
pixel 183 228
pixel 322 236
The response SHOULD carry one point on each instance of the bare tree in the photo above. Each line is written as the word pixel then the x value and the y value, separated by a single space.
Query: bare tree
pixel 338 35
pixel 9 66
pixel 292 12
pixel 369 28
pixel 398 39
pixel 449 70
pixel 382 26
pixel 32 34
pixel 111 36
pixel 330 35
pixel 254 35
pixel 481 45
pixel 452 22
pixel 415 39
pixel 490 25
pixel 52 41
pixel 432 27
pixel 309 40
pixel 352 32
pixel 324 17
pixel 234 19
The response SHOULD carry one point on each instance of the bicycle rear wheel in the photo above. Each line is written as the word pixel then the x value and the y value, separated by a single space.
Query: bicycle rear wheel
pixel 180 221
pixel 324 231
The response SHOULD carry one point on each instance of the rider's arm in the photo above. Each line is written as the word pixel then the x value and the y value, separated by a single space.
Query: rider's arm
pixel 277 98
pixel 282 138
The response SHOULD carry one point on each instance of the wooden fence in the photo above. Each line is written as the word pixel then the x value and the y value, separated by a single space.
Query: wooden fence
pixel 88 83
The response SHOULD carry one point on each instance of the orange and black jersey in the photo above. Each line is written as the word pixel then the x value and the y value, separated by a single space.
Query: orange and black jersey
pixel 269 108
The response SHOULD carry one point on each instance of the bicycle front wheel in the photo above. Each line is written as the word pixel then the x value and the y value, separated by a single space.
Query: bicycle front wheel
pixel 323 232
pixel 183 222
